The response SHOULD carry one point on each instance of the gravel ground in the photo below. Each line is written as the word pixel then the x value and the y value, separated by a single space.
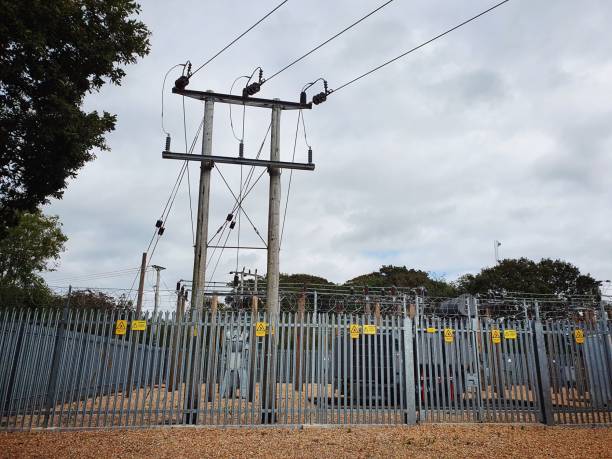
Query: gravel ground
pixel 422 441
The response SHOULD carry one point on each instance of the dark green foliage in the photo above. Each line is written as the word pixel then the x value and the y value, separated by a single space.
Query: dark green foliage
pixel 52 54
pixel 400 276
pixel 303 279
pixel 91 299
pixel 30 247
pixel 527 276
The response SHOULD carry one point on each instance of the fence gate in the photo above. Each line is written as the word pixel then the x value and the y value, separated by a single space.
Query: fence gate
pixel 579 361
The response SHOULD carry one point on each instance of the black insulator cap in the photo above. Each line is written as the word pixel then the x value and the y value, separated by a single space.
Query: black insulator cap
pixel 181 82
pixel 309 155
pixel 178 286
pixel 168 142
pixel 161 230
pixel 319 98
pixel 186 294
pixel 303 97
pixel 241 150
pixel 229 217
pixel 251 89
pixel 159 223
pixel 232 224
pixel 235 280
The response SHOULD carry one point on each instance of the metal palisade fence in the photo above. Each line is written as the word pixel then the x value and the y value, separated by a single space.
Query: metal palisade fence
pixel 75 368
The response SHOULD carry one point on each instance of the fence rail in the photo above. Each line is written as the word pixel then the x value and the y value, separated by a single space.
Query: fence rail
pixel 76 368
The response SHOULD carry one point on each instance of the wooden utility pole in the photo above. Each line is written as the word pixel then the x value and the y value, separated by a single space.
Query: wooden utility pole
pixel 274 166
pixel 143 269
pixel 201 243
pixel 272 304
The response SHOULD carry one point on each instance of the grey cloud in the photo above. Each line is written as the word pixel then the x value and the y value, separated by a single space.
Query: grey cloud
pixel 498 131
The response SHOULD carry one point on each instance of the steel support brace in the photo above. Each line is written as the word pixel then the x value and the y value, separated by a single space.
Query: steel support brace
pixel 543 373
pixel 410 414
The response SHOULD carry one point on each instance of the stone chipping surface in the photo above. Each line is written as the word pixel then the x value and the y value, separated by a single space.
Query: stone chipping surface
pixel 433 440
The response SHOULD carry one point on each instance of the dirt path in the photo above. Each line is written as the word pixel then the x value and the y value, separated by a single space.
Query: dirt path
pixel 490 441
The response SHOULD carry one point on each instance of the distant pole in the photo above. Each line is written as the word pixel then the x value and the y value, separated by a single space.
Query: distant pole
pixel 143 268
pixel 201 243
pixel 496 245
pixel 156 306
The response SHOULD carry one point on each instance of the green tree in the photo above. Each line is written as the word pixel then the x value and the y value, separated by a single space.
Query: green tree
pixel 32 246
pixel 52 54
pixel 547 276
pixel 303 279
pixel 91 299
pixel 400 276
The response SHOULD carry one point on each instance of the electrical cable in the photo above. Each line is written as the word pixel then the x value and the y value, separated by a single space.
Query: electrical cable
pixel 239 37
pixel 188 177
pixel 419 46
pixel 162 96
pixel 248 179
pixel 169 203
pixel 304 128
pixel 230 110
pixel 295 61
pixel 297 128
pixel 239 203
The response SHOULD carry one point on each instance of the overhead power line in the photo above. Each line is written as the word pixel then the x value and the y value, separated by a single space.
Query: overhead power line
pixel 419 46
pixel 295 61
pixel 238 37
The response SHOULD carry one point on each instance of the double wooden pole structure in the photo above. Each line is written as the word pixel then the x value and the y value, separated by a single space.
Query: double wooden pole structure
pixel 274 166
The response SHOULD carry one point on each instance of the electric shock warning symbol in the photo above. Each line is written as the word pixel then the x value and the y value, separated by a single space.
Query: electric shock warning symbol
pixel 449 335
pixel 120 327
pixel 355 331
pixel 496 336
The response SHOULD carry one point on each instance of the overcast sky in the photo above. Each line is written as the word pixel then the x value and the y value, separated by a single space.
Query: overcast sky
pixel 501 130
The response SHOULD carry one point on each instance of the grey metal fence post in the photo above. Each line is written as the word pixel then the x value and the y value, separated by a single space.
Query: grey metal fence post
pixel 410 414
pixel 603 321
pixel 543 374
pixel 475 327
pixel 55 362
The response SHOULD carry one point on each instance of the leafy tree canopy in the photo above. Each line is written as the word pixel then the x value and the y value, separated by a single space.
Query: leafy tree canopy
pixel 400 276
pixel 527 276
pixel 52 54
pixel 90 299
pixel 30 247
pixel 307 279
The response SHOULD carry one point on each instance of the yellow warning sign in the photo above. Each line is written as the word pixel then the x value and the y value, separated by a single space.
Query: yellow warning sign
pixel 449 335
pixel 579 336
pixel 261 329
pixel 355 331
pixel 195 330
pixel 431 329
pixel 510 334
pixel 120 327
pixel 139 325
pixel 369 329
pixel 496 336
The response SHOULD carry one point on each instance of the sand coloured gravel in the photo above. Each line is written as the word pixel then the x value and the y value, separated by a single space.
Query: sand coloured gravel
pixel 355 442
